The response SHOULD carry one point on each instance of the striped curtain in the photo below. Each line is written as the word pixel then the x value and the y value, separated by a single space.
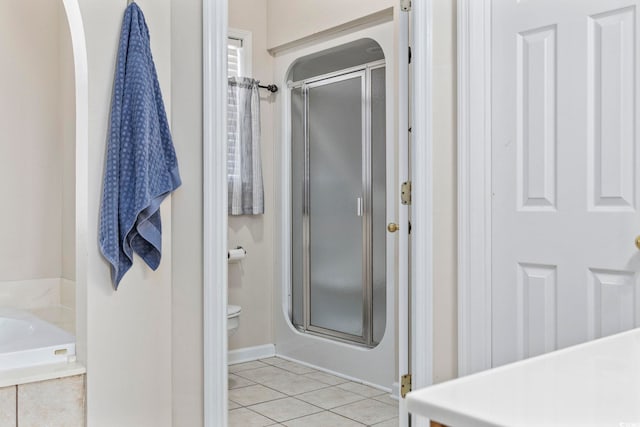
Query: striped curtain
pixel 244 166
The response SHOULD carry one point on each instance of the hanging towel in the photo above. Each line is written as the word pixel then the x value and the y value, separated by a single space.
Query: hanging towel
pixel 244 164
pixel 141 166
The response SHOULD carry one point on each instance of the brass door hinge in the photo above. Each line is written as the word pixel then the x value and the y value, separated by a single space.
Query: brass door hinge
pixel 405 385
pixel 405 193
pixel 405 5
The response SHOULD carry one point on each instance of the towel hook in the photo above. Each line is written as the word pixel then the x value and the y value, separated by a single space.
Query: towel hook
pixel 130 1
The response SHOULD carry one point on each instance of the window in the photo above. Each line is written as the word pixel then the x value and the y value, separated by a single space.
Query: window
pixel 239 53
pixel 238 65
pixel 234 58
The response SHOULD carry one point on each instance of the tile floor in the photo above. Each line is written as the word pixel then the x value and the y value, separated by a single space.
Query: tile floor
pixel 276 392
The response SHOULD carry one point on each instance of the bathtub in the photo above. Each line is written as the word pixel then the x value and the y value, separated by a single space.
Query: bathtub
pixel 26 340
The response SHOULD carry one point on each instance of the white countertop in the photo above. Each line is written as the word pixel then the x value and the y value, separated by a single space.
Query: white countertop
pixel 591 384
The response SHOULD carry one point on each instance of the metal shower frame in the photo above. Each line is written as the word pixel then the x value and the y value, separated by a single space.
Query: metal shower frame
pixel 364 204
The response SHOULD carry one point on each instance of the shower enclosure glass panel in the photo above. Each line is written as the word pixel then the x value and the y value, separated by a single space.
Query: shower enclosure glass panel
pixel 336 204
pixel 298 204
pixel 338 272
pixel 378 201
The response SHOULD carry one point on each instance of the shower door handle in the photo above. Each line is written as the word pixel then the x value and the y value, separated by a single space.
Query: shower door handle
pixel 359 206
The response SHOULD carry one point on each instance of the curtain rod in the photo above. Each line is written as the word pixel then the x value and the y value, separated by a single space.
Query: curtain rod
pixel 270 88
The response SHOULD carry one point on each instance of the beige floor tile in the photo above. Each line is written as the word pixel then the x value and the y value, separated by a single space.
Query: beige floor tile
pixel 243 417
pixel 386 398
pixel 297 384
pixel 331 397
pixel 285 409
pixel 275 361
pixel 254 394
pixel 326 378
pixel 323 419
pixel 267 374
pixel 236 382
pixel 258 390
pixel 389 423
pixel 367 411
pixel 361 389
pixel 296 368
pixel 246 366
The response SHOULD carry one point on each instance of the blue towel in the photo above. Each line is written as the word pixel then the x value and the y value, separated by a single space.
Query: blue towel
pixel 141 167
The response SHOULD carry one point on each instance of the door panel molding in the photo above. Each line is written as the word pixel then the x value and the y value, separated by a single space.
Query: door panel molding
pixel 602 113
pixel 474 186
pixel 611 79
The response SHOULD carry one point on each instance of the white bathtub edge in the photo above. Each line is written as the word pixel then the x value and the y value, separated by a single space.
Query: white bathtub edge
pixel 34 374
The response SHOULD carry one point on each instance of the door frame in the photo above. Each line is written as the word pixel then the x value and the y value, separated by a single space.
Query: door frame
pixel 474 186
pixel 214 13
pixel 421 175
pixel 214 155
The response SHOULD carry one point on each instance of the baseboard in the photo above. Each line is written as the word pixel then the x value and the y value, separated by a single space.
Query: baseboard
pixel 338 374
pixel 249 354
pixel 395 390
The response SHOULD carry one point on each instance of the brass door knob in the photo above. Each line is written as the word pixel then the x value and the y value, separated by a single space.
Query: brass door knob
pixel 638 242
pixel 393 227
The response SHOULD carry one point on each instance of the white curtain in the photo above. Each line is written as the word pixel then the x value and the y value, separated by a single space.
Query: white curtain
pixel 244 166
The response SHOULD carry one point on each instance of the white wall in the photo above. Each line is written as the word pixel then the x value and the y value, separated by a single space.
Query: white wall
pixel 35 92
pixel 445 361
pixel 125 336
pixel 290 20
pixel 186 126
pixel 251 282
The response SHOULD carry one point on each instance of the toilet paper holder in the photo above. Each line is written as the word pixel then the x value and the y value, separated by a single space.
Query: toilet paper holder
pixel 236 254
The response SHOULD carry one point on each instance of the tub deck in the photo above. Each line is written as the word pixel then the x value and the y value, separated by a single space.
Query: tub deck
pixel 27 341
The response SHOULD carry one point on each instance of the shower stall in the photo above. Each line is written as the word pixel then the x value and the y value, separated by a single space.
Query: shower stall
pixel 338 144
pixel 335 299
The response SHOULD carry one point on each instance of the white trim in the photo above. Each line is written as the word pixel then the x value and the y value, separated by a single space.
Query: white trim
pixel 214 105
pixel 474 185
pixel 247 354
pixel 422 200
pixel 81 77
pixel 247 49
pixel 340 375
pixel 367 21
pixel 403 242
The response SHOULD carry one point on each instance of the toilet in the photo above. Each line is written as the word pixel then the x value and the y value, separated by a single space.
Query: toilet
pixel 233 318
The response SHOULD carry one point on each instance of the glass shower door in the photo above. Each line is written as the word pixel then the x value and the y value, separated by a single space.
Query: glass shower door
pixel 336 214
pixel 338 202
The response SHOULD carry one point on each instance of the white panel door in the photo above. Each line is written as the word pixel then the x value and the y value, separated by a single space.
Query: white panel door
pixel 564 173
